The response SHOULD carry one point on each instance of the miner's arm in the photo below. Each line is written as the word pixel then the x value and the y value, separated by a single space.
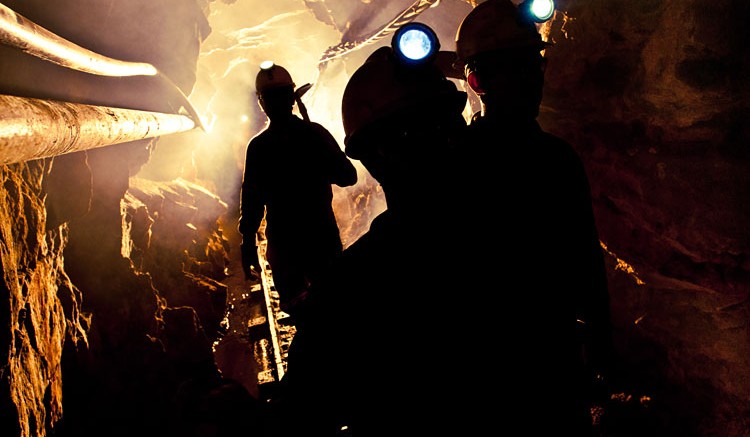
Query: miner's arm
pixel 252 210
pixel 341 170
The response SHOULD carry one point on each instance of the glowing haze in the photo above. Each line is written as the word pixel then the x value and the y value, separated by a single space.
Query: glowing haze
pixel 294 34
pixel 244 34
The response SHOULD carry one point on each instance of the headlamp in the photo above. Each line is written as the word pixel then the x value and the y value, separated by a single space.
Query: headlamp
pixel 538 11
pixel 415 44
pixel 266 65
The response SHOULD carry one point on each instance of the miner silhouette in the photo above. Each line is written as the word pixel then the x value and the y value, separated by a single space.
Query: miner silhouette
pixel 477 302
pixel 551 249
pixel 382 341
pixel 289 171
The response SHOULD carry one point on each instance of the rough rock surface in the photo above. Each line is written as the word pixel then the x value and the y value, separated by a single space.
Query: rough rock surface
pixel 115 287
pixel 653 94
pixel 92 345
pixel 41 307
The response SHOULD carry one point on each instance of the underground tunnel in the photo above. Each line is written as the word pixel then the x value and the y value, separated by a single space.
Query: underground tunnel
pixel 123 128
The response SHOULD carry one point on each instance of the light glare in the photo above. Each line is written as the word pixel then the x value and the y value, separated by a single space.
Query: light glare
pixel 543 9
pixel 266 65
pixel 415 44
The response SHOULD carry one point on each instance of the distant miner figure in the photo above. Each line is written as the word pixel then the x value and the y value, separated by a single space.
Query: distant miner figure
pixel 289 171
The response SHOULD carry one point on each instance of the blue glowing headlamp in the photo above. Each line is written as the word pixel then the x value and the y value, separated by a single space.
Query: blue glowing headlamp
pixel 415 44
pixel 538 11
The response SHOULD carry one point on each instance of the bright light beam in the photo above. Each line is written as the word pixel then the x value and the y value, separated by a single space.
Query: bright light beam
pixel 415 45
pixel 542 9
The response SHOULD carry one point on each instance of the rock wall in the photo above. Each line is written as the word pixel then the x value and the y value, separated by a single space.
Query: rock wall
pixel 41 311
pixel 653 93
pixel 113 284
pixel 112 288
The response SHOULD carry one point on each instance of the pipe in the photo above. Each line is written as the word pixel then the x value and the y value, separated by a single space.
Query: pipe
pixel 21 33
pixel 36 128
pixel 17 31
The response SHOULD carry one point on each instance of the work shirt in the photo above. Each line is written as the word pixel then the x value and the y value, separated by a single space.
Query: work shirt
pixel 289 171
pixel 552 286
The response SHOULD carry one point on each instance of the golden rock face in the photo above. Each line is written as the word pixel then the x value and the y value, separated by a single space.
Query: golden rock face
pixel 43 307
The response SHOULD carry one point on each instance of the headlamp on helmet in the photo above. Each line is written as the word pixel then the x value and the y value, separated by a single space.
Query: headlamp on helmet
pixel 495 25
pixel 266 65
pixel 397 86
pixel 415 44
pixel 272 76
pixel 537 11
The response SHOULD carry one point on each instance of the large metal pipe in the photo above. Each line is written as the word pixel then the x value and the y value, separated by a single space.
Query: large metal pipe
pixel 37 128
pixel 21 33
pixel 17 31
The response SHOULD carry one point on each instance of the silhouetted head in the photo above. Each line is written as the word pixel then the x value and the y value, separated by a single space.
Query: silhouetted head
pixel 400 116
pixel 499 48
pixel 275 90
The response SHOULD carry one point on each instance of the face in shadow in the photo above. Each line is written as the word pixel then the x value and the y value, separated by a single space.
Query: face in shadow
pixel 277 102
pixel 509 82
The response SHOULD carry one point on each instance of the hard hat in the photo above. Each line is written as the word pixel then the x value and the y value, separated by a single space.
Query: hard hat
pixel 496 25
pixel 383 86
pixel 272 76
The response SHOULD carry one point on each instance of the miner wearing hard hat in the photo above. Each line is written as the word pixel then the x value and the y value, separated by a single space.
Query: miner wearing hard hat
pixel 543 195
pixel 290 168
pixel 373 356
pixel 497 44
